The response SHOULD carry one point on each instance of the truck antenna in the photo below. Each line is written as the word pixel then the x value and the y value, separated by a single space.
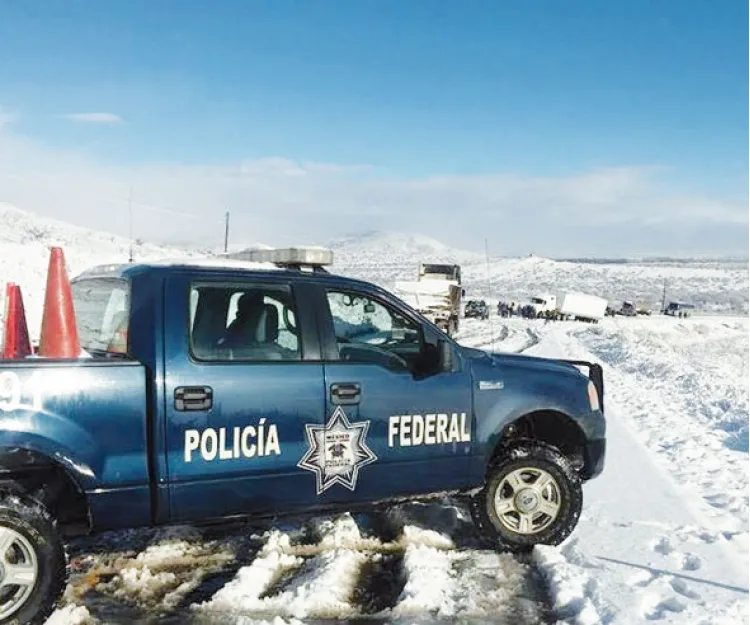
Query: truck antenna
pixel 130 224
pixel 489 295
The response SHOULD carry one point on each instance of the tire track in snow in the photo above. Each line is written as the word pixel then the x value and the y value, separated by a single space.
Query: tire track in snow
pixel 146 575
pixel 381 582
pixel 513 335
pixel 383 567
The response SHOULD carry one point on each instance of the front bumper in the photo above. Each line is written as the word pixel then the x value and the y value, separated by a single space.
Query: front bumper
pixel 593 458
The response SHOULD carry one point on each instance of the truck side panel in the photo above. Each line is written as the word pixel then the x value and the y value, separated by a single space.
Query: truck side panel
pixel 89 417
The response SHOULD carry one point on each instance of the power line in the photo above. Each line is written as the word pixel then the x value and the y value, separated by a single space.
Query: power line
pixel 226 234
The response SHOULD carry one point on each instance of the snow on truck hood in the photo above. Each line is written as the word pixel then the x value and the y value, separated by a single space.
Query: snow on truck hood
pixel 522 360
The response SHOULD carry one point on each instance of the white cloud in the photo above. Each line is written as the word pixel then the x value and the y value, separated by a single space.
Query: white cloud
pixel 93 118
pixel 608 211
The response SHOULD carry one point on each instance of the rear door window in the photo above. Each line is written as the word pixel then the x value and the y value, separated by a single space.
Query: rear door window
pixel 102 307
pixel 248 322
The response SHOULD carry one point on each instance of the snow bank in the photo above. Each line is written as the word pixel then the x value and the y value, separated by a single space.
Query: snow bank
pixel 647 548
pixel 684 387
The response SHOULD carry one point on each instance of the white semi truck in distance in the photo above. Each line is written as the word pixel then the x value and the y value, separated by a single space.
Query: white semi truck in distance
pixel 436 294
pixel 542 303
pixel 576 306
pixel 581 307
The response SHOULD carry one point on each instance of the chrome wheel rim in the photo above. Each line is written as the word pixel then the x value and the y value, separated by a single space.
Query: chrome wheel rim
pixel 527 500
pixel 19 570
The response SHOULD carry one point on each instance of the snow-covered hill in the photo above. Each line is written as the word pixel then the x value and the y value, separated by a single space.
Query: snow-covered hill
pixel 25 239
pixel 398 247
pixel 713 286
pixel 384 257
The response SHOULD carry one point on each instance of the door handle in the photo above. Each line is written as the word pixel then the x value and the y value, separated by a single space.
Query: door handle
pixel 187 398
pixel 345 393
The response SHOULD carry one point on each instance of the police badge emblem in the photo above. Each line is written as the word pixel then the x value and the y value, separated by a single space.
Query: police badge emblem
pixel 337 451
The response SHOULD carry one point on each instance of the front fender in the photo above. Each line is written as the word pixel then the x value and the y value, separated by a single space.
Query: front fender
pixel 524 392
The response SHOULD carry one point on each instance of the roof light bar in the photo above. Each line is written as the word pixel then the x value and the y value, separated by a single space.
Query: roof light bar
pixel 290 256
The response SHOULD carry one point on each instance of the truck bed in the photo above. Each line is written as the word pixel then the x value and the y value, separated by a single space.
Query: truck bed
pixel 88 416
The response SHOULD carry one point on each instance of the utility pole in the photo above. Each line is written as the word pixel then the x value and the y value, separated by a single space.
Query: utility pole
pixel 130 223
pixel 226 233
pixel 489 295
pixel 664 297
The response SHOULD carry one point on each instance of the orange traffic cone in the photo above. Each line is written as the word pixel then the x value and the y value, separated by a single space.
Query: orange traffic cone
pixel 16 342
pixel 59 337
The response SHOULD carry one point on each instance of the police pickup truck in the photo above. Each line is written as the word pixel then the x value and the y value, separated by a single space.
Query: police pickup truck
pixel 217 389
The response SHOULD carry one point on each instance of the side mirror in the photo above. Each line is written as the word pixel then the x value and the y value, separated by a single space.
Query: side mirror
pixel 446 355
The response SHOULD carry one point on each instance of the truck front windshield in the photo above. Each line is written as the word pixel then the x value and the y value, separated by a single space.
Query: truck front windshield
pixel 102 307
pixel 445 272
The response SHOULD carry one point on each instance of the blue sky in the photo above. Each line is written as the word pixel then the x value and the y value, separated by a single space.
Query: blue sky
pixel 507 100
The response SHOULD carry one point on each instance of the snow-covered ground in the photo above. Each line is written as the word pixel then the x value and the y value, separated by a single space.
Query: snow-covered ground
pixel 664 531
pixel 663 535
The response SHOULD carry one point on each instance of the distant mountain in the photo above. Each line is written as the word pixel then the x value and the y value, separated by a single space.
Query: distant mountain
pixel 240 247
pixel 383 257
pixel 402 243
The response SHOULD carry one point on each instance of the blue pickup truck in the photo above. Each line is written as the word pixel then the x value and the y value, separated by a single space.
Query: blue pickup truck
pixel 218 389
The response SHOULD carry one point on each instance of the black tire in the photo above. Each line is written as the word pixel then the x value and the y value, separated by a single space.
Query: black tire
pixel 32 521
pixel 532 455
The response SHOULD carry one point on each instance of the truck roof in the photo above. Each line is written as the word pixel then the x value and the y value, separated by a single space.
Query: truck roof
pixel 230 267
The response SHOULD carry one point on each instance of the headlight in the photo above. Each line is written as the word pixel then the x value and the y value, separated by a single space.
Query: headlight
pixel 593 397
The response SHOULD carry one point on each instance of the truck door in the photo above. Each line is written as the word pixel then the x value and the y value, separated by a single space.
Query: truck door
pixel 395 425
pixel 243 378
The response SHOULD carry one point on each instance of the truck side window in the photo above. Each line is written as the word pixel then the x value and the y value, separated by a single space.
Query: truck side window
pixel 102 308
pixel 370 332
pixel 243 322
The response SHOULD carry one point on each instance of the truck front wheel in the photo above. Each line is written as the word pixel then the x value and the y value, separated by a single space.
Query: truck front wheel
pixel 532 496
pixel 33 564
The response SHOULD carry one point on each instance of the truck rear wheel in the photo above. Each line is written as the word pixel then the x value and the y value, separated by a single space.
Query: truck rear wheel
pixel 532 496
pixel 33 563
